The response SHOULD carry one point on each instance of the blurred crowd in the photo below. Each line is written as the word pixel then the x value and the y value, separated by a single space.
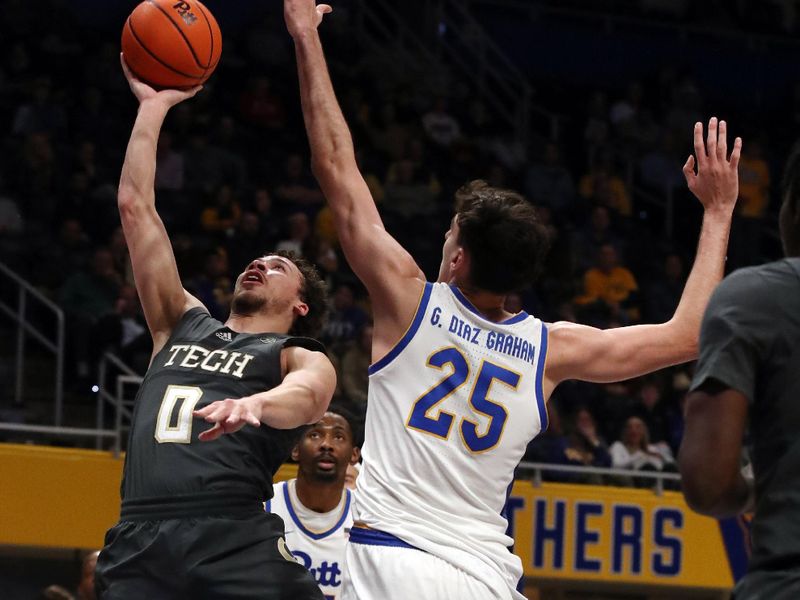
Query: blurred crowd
pixel 233 182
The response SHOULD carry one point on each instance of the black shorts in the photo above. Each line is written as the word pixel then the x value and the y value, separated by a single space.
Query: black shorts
pixel 202 558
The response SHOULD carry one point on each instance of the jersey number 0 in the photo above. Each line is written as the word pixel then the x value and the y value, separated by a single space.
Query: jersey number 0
pixel 177 429
pixel 440 425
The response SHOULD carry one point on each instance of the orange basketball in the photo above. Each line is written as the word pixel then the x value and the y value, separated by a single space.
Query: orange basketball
pixel 171 43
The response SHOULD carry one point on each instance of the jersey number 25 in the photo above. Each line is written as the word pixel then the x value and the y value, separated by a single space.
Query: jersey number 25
pixel 440 425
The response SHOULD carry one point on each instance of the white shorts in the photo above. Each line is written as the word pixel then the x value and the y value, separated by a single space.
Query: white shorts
pixel 388 572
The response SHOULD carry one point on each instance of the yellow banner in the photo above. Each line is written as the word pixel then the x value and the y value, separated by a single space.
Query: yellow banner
pixel 620 535
pixel 55 497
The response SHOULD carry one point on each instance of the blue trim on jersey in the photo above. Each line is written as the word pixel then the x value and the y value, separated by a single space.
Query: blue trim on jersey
pixel 520 316
pixel 268 506
pixel 308 533
pixel 406 339
pixel 539 375
pixel 373 537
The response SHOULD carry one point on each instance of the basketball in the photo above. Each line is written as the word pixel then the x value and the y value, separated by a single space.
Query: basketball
pixel 171 44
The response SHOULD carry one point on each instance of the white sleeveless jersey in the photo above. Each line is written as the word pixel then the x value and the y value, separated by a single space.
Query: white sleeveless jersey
pixel 316 540
pixel 451 410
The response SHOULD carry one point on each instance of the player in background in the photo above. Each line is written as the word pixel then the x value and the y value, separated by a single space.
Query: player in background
pixel 316 506
pixel 192 523
pixel 748 376
pixel 458 385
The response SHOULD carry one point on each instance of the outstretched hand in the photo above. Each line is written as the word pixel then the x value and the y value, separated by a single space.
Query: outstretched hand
pixel 716 183
pixel 143 92
pixel 228 416
pixel 303 15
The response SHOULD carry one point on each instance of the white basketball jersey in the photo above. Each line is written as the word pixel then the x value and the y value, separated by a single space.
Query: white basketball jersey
pixel 451 410
pixel 317 540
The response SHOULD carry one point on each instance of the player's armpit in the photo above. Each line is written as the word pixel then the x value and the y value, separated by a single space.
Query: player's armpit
pixel 710 453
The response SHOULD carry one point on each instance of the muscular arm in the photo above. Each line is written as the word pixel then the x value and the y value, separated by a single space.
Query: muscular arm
pixel 709 457
pixel 376 258
pixel 162 295
pixel 301 398
pixel 581 352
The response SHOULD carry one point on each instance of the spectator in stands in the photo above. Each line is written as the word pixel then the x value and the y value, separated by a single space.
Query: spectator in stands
pixel 625 112
pixel 86 584
pixel 124 332
pixel 247 240
pixel 635 452
pixel 211 166
pixel 663 293
pixel 213 286
pixel 297 189
pixel 221 219
pixel 609 290
pixel 582 447
pixel 597 131
pixel 549 182
pixel 597 232
pixel 85 296
pixel 354 373
pixel 169 165
pixel 261 107
pixel 11 221
pixel 651 408
pixel 269 223
pixel 345 320
pixel 41 115
pixel 601 185
pixel 441 127
pixel 660 166
pixel 71 248
pixel 754 182
pixel 299 235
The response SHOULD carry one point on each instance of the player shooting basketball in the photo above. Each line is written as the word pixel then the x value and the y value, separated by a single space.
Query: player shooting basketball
pixel 192 523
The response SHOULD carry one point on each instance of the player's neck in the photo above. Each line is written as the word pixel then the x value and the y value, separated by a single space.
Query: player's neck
pixel 321 497
pixel 258 323
pixel 491 306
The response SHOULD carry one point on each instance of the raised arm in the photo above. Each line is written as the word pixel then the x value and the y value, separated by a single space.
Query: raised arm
pixel 301 398
pixel 581 352
pixel 162 295
pixel 376 258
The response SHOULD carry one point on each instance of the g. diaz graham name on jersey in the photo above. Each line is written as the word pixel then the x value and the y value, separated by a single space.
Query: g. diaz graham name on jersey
pixel 191 356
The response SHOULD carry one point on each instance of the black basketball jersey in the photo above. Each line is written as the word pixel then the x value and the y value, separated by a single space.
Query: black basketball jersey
pixel 202 362
pixel 750 342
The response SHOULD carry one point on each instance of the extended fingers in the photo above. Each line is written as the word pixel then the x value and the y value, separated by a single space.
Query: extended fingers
pixel 711 141
pixel 699 146
pixel 722 142
pixel 737 153
pixel 211 434
pixel 688 170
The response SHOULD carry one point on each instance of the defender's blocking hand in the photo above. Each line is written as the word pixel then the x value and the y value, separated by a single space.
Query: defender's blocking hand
pixel 303 15
pixel 716 183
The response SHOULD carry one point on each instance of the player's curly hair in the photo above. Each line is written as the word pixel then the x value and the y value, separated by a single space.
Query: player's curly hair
pixel 314 292
pixel 502 233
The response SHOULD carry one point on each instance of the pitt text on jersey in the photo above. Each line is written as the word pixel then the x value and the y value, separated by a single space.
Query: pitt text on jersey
pixel 191 356
pixel 491 340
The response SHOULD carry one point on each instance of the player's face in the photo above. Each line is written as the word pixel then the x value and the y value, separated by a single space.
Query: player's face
pixel 270 278
pixel 450 250
pixel 326 449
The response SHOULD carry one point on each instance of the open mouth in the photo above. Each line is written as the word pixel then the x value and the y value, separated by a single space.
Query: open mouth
pixel 253 276
pixel 326 462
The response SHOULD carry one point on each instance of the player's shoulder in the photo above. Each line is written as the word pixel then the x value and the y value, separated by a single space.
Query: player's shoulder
pixel 758 287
